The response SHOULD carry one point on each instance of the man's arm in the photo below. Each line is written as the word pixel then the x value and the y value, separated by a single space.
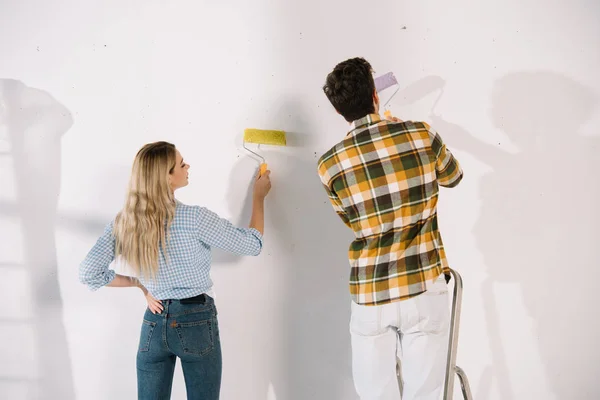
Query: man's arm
pixel 337 206
pixel 333 197
pixel 448 170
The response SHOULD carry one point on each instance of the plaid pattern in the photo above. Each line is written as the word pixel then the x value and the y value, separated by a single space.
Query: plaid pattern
pixel 193 232
pixel 382 181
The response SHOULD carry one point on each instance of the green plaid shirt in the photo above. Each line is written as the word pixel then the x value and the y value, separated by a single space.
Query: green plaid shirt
pixel 382 181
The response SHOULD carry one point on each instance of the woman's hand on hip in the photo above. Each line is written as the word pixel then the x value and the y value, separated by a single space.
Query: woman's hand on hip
pixel 154 305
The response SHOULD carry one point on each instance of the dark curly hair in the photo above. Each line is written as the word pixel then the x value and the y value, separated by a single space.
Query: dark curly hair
pixel 349 88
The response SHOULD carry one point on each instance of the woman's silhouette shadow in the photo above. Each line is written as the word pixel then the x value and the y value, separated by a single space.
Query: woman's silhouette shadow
pixel 34 123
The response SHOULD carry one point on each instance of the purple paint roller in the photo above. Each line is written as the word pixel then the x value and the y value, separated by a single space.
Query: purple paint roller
pixel 383 82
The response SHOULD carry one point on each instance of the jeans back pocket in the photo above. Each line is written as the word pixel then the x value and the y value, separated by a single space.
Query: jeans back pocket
pixel 146 335
pixel 196 337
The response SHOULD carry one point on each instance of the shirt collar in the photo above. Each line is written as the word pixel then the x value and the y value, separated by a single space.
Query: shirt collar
pixel 367 120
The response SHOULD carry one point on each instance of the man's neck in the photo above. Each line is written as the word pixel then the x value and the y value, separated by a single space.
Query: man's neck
pixel 364 116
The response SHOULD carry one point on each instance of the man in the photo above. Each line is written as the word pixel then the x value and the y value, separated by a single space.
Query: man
pixel 382 180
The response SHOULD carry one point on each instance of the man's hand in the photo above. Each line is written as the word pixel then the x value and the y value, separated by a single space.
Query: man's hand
pixel 388 116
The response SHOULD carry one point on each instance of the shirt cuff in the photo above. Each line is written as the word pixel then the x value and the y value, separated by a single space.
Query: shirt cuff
pixel 256 233
pixel 102 280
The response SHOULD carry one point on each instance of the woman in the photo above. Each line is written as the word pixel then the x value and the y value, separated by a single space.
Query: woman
pixel 168 246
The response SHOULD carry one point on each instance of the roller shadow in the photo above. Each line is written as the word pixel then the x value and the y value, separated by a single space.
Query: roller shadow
pixel 239 207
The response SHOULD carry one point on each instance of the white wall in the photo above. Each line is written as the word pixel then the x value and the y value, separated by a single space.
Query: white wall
pixel 85 84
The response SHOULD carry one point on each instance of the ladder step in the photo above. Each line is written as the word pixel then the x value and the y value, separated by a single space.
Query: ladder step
pixel 15 379
pixel 15 321
pixel 9 265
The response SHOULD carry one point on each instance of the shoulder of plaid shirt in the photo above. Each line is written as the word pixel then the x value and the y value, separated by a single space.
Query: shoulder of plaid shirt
pixel 416 161
pixel 193 232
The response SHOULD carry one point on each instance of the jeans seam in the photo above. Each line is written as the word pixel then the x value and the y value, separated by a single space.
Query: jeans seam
pixel 151 326
pixel 164 333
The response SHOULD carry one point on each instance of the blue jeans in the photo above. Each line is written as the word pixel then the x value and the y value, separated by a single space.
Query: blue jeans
pixel 187 330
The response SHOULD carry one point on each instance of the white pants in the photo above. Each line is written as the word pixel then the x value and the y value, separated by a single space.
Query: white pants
pixel 415 331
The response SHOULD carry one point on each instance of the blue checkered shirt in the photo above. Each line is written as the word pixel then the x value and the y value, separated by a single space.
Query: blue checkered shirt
pixel 193 232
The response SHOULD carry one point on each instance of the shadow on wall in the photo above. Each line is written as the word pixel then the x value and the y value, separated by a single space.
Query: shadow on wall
pixel 538 225
pixel 286 115
pixel 34 122
pixel 537 222
pixel 315 308
pixel 238 179
pixel 307 253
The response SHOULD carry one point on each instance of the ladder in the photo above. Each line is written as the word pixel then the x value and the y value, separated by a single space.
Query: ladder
pixel 451 367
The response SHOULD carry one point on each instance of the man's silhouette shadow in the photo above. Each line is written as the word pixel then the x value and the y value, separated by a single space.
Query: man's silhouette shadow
pixel 538 224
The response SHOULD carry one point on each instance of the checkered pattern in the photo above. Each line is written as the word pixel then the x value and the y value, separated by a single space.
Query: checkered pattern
pixel 382 181
pixel 193 232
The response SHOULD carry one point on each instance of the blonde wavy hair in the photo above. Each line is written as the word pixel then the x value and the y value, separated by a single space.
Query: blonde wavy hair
pixel 142 226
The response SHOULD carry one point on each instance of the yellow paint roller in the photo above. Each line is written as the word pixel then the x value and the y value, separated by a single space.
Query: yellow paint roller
pixel 263 136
